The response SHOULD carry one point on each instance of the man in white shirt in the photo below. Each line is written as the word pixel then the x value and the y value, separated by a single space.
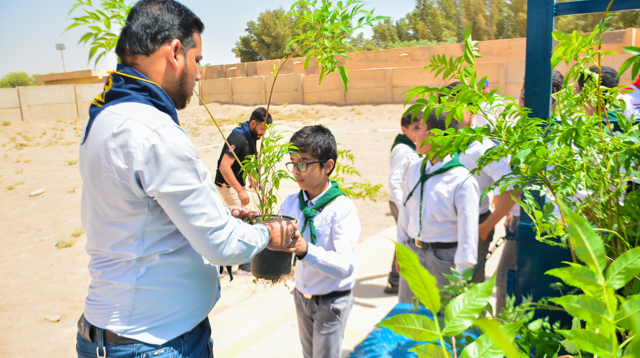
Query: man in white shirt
pixel 439 219
pixel 403 153
pixel 156 228
pixel 325 272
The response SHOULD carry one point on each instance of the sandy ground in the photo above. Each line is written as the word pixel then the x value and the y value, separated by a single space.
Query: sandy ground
pixel 42 283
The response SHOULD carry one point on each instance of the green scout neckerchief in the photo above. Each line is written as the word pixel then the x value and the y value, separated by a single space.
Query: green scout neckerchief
pixel 453 163
pixel 403 139
pixel 310 213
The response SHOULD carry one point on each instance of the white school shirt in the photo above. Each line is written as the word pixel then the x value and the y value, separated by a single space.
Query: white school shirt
pixel 401 156
pixel 156 228
pixel 330 264
pixel 490 174
pixel 632 100
pixel 449 211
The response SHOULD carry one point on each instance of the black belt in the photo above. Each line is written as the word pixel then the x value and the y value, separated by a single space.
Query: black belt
pixel 435 245
pixel 334 294
pixel 90 333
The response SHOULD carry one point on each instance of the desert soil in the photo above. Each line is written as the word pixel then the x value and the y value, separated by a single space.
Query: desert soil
pixel 44 284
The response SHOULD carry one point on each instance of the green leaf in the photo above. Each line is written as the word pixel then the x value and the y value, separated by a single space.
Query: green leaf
pixel 629 311
pixel 584 307
pixel 589 341
pixel 430 351
pixel 623 269
pixel 344 75
pixel 578 276
pixel 417 327
pixel 485 347
pixel 632 49
pixel 421 282
pixel 498 335
pixel 464 309
pixel 588 246
pixel 625 65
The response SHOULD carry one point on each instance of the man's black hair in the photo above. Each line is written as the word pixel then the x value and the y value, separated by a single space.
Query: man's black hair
pixel 153 23
pixel 609 79
pixel 318 141
pixel 260 115
pixel 557 81
pixel 407 120
pixel 435 122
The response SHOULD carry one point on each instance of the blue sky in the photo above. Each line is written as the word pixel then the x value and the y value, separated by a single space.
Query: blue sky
pixel 31 28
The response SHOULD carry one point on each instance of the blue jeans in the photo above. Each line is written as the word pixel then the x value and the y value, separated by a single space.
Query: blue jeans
pixel 196 343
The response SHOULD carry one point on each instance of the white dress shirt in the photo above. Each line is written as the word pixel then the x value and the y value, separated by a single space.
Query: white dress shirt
pixel 156 228
pixel 330 264
pixel 632 101
pixel 490 174
pixel 449 211
pixel 401 156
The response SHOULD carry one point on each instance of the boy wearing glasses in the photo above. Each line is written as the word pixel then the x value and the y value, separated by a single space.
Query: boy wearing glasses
pixel 439 217
pixel 325 270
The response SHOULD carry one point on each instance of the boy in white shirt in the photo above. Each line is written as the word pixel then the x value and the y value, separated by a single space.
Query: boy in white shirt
pixel 439 219
pixel 325 270
pixel 403 153
pixel 488 176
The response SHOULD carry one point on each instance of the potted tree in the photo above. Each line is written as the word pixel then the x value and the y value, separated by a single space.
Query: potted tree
pixel 327 28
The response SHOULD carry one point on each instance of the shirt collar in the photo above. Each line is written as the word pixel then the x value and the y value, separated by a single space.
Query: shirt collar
pixel 432 168
pixel 315 200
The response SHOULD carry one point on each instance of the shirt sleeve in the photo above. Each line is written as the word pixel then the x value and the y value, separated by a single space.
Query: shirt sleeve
pixel 338 264
pixel 239 142
pixel 167 170
pixel 403 214
pixel 400 160
pixel 466 202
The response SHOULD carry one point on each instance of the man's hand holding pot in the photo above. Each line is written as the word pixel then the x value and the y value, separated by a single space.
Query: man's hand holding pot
pixel 282 233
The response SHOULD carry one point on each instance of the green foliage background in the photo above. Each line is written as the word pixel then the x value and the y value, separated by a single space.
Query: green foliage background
pixel 18 79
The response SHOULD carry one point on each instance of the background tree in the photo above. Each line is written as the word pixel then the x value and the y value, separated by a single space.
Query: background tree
pixel 18 79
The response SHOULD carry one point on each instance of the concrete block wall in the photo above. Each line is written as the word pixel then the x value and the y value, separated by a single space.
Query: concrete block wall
pixel 85 95
pixel 10 105
pixel 48 102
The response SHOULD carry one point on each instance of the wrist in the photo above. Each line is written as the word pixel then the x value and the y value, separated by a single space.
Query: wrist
pixel 301 254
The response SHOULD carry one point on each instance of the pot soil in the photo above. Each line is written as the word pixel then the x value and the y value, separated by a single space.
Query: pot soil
pixel 272 265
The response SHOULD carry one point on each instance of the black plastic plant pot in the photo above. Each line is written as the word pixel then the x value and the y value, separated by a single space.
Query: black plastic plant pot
pixel 272 265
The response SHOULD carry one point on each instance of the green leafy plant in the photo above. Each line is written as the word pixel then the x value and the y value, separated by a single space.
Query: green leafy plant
pixel 355 190
pixel 556 156
pixel 264 171
pixel 103 21
pixel 460 314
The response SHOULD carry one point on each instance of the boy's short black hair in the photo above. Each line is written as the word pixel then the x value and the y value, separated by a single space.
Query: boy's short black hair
pixel 318 141
pixel 260 115
pixel 609 79
pixel 435 122
pixel 557 81
pixel 407 120
pixel 153 23
pixel 450 87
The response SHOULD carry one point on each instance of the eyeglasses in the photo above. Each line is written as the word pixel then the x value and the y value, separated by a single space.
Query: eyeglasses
pixel 301 166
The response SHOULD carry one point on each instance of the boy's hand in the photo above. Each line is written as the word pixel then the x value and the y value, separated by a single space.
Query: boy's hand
pixel 241 212
pixel 298 246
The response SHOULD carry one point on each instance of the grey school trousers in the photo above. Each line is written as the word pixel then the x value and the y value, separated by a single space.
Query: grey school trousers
pixel 437 262
pixel 321 324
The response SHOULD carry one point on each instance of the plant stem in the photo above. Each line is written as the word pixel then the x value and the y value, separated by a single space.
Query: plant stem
pixel 564 221
pixel 224 137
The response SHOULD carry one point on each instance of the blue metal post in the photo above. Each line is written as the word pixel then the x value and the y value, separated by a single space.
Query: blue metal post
pixel 533 258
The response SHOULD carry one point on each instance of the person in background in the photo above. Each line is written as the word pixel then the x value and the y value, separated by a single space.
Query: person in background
pixel 488 176
pixel 439 218
pixel 325 272
pixel 156 228
pixel 229 176
pixel 403 153
pixel 632 100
